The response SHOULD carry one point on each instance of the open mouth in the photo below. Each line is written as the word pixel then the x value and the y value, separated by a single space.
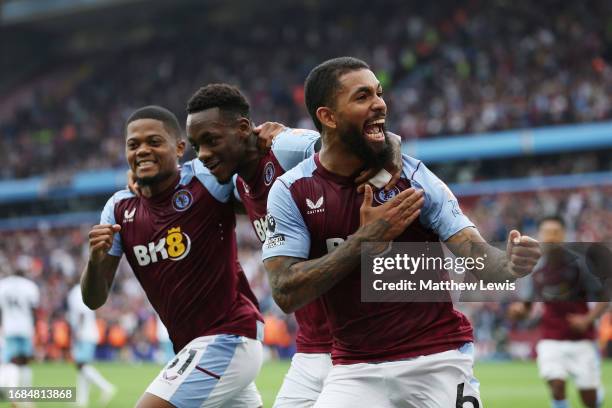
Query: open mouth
pixel 145 164
pixel 374 131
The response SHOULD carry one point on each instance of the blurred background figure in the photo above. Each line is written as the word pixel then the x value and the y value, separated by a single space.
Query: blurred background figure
pixel 19 298
pixel 164 352
pixel 567 346
pixel 85 337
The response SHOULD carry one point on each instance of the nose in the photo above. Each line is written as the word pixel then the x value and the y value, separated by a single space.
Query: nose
pixel 204 154
pixel 379 104
pixel 143 150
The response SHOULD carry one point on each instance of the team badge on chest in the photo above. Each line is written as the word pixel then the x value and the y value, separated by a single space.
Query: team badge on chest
pixel 383 196
pixel 269 173
pixel 182 200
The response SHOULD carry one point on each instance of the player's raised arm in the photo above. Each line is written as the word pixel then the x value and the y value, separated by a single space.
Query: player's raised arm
pixel 296 282
pixel 442 214
pixel 100 269
pixel 521 255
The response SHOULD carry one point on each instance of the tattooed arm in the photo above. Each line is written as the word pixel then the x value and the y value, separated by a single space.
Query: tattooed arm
pixel 295 282
pixel 522 254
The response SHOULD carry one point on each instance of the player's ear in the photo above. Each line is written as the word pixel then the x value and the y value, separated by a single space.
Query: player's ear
pixel 180 148
pixel 326 117
pixel 245 127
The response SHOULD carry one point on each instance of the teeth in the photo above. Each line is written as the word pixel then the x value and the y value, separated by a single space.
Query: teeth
pixel 378 122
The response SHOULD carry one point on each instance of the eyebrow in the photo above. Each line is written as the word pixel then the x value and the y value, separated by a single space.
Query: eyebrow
pixel 146 137
pixel 365 88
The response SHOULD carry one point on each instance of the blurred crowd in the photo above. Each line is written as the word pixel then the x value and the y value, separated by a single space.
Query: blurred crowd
pixel 449 67
pixel 54 259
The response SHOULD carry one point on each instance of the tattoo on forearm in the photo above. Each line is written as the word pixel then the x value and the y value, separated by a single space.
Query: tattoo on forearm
pixel 469 243
pixel 296 283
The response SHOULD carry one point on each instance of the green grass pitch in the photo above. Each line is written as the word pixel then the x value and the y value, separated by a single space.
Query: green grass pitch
pixel 503 384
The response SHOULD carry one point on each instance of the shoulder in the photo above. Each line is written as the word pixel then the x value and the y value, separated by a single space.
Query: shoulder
pixel 422 177
pixel 121 195
pixel 291 138
pixel 195 168
pixel 191 169
pixel 292 146
pixel 32 285
pixel 411 167
pixel 303 170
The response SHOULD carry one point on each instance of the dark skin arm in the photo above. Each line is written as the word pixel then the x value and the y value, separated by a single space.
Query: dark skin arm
pixel 100 270
pixel 522 254
pixel 296 282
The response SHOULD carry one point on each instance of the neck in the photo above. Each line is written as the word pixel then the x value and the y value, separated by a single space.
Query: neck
pixel 337 158
pixel 248 167
pixel 152 190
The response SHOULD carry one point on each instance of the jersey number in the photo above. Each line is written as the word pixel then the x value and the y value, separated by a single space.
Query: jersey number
pixel 13 303
pixel 461 399
pixel 186 357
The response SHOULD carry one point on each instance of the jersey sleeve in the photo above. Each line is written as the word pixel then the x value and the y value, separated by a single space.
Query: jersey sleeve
pixel 292 146
pixel 108 217
pixel 287 234
pixel 195 168
pixel 441 212
pixel 235 184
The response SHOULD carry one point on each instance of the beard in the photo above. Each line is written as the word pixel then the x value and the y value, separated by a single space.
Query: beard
pixel 353 138
pixel 150 181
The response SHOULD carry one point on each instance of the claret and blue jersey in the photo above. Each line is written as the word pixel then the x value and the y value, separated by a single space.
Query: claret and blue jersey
pixel 181 245
pixel 289 148
pixel 312 210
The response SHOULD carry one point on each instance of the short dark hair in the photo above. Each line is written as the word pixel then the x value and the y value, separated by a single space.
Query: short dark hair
pixel 226 97
pixel 322 83
pixel 171 123
pixel 555 218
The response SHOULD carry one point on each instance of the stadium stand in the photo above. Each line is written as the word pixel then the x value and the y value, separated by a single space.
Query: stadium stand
pixel 451 70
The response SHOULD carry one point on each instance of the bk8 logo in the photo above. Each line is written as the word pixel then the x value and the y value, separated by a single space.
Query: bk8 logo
pixel 260 226
pixel 174 246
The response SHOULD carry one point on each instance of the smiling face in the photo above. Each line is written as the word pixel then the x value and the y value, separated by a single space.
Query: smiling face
pixel 219 141
pixel 360 113
pixel 152 152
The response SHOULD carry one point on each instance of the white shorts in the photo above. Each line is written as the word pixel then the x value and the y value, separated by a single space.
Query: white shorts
pixel 212 371
pixel 439 380
pixel 304 380
pixel 559 359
